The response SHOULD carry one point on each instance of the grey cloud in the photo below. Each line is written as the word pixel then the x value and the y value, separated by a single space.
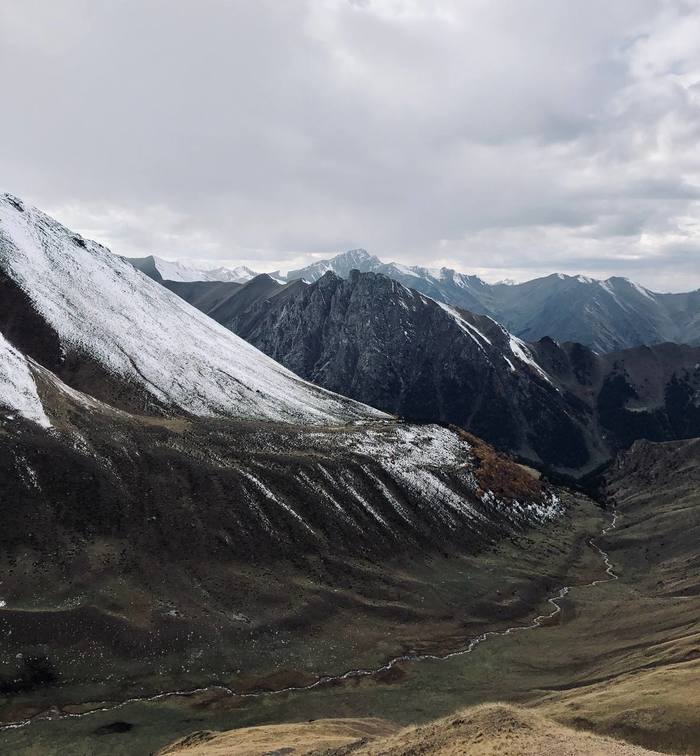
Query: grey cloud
pixel 501 137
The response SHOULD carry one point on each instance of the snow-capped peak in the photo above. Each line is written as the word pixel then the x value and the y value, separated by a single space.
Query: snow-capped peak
pixel 239 274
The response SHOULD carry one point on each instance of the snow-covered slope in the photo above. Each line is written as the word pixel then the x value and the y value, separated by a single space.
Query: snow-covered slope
pixel 18 393
pixel 105 312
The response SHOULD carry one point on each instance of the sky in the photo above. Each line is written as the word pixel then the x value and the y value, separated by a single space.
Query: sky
pixel 506 138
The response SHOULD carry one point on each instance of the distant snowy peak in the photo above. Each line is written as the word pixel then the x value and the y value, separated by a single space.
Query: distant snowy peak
pixel 171 270
pixel 239 274
pixel 119 328
pixel 341 265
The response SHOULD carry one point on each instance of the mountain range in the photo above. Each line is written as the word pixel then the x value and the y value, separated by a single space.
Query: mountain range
pixel 368 337
pixel 605 315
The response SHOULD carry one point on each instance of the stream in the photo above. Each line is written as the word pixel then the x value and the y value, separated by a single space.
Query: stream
pixel 537 622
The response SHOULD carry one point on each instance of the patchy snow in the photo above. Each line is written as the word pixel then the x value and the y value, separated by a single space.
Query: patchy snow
pixel 644 292
pixel 101 306
pixel 510 364
pixel 608 287
pixel 520 350
pixel 405 269
pixel 270 496
pixel 18 391
pixel 416 458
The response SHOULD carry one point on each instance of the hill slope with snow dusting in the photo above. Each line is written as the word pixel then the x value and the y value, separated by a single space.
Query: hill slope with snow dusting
pixel 106 316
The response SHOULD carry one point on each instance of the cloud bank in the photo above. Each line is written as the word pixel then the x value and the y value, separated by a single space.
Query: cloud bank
pixel 509 139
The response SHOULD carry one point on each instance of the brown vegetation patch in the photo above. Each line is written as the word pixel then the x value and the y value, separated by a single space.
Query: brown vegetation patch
pixel 498 473
pixel 482 730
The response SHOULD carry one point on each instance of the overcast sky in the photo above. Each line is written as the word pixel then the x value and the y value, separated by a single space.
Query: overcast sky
pixel 508 138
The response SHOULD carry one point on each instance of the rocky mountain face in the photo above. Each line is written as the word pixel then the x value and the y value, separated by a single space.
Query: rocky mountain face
pixel 648 393
pixel 561 405
pixel 412 356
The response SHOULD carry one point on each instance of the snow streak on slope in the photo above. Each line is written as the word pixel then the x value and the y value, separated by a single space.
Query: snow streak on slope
pixel 466 327
pixel 521 351
pixel 104 309
pixel 17 388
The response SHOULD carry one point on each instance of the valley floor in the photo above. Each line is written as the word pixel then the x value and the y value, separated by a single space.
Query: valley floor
pixel 622 658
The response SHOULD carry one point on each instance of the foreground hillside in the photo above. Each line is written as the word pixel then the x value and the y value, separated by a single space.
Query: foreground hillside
pixel 480 731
